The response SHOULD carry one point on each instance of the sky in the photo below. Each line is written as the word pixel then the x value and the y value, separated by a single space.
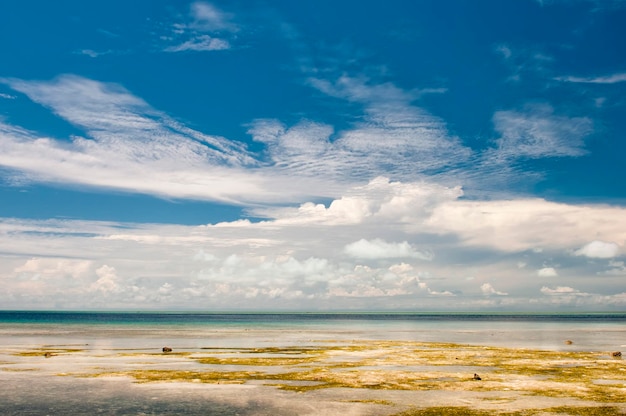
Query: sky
pixel 274 155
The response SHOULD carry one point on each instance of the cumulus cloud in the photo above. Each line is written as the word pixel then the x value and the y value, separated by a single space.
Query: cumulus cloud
pixel 380 249
pixel 547 272
pixel 337 253
pixel 517 225
pixel 107 282
pixel 53 268
pixel 367 240
pixel 294 264
pixel 489 290
pixel 599 250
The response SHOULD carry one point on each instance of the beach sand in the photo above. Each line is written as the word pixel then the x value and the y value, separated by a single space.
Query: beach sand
pixel 311 377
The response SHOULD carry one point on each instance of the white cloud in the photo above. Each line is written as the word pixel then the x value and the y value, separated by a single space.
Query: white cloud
pixel 489 290
pixel 54 268
pixel 131 146
pixel 303 149
pixel 380 249
pixel 7 96
pixel 617 268
pixel 599 250
pixel 504 50
pixel 445 293
pixel 537 133
pixel 394 135
pixel 107 282
pixel 608 79
pixel 200 43
pixel 381 200
pixel 208 17
pixel 297 257
pixel 525 224
pixel 547 272
pixel 562 291
pixel 296 264
pixel 92 54
pixel 209 29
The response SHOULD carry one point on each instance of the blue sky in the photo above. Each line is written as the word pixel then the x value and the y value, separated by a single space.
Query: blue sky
pixel 280 155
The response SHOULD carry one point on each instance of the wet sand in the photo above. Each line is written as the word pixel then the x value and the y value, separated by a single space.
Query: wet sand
pixel 316 376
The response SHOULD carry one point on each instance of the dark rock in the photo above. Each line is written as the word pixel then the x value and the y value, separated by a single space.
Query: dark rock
pixel 616 354
pixel 569 342
pixel 477 377
pixel 167 349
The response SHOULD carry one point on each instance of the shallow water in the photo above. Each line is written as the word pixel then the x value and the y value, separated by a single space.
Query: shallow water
pixel 32 385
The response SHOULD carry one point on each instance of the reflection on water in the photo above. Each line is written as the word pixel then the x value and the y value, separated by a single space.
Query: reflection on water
pixel 109 330
pixel 32 384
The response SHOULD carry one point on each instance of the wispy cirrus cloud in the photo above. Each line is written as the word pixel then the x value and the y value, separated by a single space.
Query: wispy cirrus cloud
pixel 207 28
pixel 536 132
pixel 200 43
pixel 92 53
pixel 523 63
pixel 607 79
pixel 394 135
pixel 207 16
pixel 129 145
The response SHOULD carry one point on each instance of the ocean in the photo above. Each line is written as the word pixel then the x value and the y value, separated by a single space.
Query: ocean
pixel 88 342
pixel 587 331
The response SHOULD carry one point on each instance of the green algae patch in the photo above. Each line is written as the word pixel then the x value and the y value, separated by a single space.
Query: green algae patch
pixel 380 402
pixel 20 370
pixel 257 361
pixel 48 352
pixel 272 356
pixel 147 376
pixel 398 366
pixel 587 411
pixel 467 411
pixel 454 411
pixel 155 354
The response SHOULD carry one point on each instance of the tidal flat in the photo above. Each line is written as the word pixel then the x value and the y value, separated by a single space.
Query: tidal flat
pixel 317 376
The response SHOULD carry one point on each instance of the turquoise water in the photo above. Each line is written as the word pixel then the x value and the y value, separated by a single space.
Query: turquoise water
pixel 591 332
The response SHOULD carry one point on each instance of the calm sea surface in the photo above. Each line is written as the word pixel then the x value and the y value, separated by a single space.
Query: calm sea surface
pixel 589 332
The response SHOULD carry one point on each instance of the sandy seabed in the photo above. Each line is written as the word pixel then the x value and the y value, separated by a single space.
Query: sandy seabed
pixel 317 376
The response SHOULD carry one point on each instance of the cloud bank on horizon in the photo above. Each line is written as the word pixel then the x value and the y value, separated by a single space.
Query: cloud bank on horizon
pixel 365 161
